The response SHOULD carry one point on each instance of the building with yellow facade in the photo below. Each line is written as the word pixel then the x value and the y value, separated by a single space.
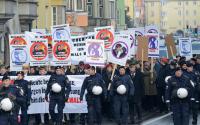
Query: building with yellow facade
pixel 129 4
pixel 50 12
pixel 173 15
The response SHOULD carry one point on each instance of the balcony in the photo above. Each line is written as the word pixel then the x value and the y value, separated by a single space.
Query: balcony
pixel 79 19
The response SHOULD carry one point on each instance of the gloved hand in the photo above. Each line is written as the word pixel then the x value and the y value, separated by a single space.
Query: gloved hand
pixel 11 96
pixel 46 98
pixel 81 98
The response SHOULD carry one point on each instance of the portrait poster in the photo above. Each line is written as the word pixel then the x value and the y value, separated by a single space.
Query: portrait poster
pixel 18 52
pixel 38 50
pixel 106 34
pixel 120 50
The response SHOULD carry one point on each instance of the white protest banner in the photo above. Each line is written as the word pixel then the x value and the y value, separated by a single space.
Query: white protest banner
pixel 153 45
pixel 38 49
pixel 131 33
pixel 195 45
pixel 95 52
pixel 38 88
pixel 120 50
pixel 74 104
pixel 18 52
pixel 185 47
pixel 151 29
pixel 79 49
pixel 106 34
pixel 61 45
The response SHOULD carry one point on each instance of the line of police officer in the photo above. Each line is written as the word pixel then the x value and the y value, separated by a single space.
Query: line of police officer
pixel 181 92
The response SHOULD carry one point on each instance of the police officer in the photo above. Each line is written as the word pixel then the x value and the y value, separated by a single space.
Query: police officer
pixel 121 89
pixel 25 91
pixel 178 95
pixel 58 89
pixel 10 98
pixel 95 87
pixel 192 75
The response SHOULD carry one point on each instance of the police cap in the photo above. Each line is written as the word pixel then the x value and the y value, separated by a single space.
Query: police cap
pixel 20 72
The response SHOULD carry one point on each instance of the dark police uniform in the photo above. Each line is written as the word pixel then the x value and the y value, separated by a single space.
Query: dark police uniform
pixel 25 91
pixel 179 107
pixel 10 117
pixel 93 101
pixel 58 98
pixel 120 102
pixel 194 101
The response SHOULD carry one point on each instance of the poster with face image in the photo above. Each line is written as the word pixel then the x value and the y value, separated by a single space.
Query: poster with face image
pixel 38 49
pixel 18 52
pixel 106 34
pixel 61 45
pixel 120 50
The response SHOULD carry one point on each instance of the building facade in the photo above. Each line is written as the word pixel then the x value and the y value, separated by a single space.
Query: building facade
pixel 50 12
pixel 173 15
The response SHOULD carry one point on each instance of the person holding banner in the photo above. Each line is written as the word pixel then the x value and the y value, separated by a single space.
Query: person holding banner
pixel 122 88
pixel 25 91
pixel 96 88
pixel 10 98
pixel 58 89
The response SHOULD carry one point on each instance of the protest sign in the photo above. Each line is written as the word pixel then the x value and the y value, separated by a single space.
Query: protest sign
pixel 120 50
pixel 18 52
pixel 106 34
pixel 95 52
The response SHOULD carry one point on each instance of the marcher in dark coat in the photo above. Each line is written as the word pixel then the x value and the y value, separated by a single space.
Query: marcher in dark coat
pixel 135 101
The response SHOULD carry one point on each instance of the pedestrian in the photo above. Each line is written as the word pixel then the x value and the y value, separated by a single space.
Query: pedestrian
pixel 25 90
pixel 122 88
pixel 58 89
pixel 178 95
pixel 10 99
pixel 96 88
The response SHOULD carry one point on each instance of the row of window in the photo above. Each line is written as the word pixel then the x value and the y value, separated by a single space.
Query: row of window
pixel 180 23
pixel 164 14
pixel 179 3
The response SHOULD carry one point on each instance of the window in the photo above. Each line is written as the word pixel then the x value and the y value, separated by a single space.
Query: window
pixel 112 9
pixel 195 22
pixel 179 12
pixel 152 13
pixel 100 2
pixel 70 5
pixel 187 13
pixel 179 3
pixel 163 14
pixel 194 3
pixel 79 5
pixel 195 12
pixel 152 4
pixel 89 9
pixel 89 1
pixel 54 12
pixel 180 23
pixel 186 3
pixel 100 11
